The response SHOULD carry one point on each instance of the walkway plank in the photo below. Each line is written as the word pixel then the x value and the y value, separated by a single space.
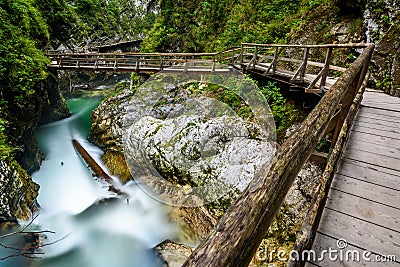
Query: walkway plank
pixel 371 174
pixel 379 120
pixel 377 111
pixel 364 145
pixel 379 194
pixel 364 209
pixel 376 139
pixel 363 204
pixel 360 233
pixel 350 259
pixel 371 157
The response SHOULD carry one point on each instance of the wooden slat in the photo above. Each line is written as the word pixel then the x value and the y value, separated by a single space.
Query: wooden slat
pixel 392 107
pixel 372 158
pixel 376 139
pixel 371 174
pixel 364 209
pixel 378 113
pixel 375 125
pixel 380 119
pixel 360 233
pixel 385 113
pixel 378 149
pixel 324 242
pixel 379 194
pixel 378 132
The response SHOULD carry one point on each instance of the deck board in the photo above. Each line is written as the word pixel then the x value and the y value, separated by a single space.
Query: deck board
pixel 371 174
pixel 325 242
pixel 360 233
pixel 363 204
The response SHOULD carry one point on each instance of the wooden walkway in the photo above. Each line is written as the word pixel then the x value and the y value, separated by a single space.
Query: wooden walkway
pixel 363 205
pixel 290 64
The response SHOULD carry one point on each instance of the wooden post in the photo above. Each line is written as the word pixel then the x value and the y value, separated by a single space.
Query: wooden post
pixel 274 61
pixel 115 67
pixel 255 56
pixel 137 64
pixel 185 65
pixel 302 69
pixel 325 70
pixel 213 64
pixel 241 54
pixel 239 232
pixel 96 62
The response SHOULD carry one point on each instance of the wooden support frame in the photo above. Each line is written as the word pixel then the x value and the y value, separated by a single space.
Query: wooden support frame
pixel 243 226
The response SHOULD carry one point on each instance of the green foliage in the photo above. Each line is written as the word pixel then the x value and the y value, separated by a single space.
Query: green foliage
pixel 285 113
pixel 211 25
pixel 5 149
pixel 59 16
pixel 226 96
pixel 96 19
pixel 22 64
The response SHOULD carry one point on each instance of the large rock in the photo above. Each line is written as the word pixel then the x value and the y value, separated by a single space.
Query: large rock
pixel 187 150
pixel 18 191
pixel 193 150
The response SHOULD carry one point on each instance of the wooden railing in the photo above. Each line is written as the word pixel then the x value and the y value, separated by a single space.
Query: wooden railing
pixel 140 62
pixel 292 62
pixel 295 62
pixel 235 239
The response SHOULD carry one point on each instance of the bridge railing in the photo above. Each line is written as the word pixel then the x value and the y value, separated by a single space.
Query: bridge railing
pixel 236 237
pixel 143 62
pixel 310 66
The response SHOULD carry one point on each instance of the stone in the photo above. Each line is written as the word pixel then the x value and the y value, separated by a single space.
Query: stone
pixel 171 254
pixel 19 201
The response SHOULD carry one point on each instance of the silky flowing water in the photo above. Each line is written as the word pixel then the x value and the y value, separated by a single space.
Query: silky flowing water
pixel 93 227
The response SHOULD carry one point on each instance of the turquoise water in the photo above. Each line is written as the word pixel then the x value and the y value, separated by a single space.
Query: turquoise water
pixel 93 227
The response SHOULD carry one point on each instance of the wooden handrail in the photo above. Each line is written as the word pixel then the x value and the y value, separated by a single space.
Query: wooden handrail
pixel 235 239
pixel 351 45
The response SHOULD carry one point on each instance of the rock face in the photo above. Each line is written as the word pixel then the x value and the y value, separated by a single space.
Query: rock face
pixel 192 150
pixel 47 103
pixel 18 191
pixel 381 20
pixel 372 21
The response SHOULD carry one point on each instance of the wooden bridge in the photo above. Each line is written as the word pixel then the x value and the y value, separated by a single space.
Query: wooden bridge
pixel 356 207
pixel 290 64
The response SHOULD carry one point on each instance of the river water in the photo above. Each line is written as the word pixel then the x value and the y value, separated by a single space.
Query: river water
pixel 93 228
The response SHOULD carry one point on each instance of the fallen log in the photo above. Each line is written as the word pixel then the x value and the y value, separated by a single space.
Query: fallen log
pixel 96 169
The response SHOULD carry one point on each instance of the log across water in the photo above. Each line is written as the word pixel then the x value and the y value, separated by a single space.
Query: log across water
pixel 96 169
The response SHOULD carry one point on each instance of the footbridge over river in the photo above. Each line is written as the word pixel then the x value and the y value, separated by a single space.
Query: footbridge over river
pixel 356 206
